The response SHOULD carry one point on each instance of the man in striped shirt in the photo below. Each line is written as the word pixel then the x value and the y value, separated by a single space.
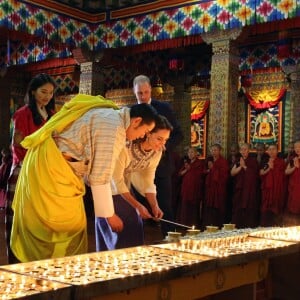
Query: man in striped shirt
pixel 82 141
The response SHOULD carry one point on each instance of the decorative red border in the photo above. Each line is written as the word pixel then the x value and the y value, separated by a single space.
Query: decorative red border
pixel 69 11
pixel 147 8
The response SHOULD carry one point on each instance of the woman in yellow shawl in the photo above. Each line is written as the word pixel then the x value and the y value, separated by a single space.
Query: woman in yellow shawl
pixel 81 142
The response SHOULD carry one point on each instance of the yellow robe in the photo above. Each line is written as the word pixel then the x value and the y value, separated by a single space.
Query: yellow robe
pixel 49 217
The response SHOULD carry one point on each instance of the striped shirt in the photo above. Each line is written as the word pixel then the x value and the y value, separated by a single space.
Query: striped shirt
pixel 94 141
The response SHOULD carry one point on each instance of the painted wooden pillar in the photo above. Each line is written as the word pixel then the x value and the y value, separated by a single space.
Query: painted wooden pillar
pixel 294 77
pixel 91 79
pixel 182 103
pixel 182 107
pixel 222 126
pixel 241 120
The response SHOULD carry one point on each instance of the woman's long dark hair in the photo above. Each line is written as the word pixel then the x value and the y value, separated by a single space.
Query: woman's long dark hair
pixel 161 122
pixel 36 82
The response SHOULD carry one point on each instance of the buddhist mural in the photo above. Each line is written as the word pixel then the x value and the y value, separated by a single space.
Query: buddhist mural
pixel 264 127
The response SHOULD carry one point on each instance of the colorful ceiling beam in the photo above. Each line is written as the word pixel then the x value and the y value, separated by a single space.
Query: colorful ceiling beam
pixel 177 19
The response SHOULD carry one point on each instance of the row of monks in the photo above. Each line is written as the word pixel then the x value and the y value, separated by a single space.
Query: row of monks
pixel 248 189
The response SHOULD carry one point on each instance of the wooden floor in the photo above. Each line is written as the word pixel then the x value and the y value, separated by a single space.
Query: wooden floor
pixel 152 234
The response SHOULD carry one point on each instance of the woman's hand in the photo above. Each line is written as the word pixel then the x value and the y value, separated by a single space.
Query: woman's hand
pixel 115 223
pixel 157 212
pixel 155 209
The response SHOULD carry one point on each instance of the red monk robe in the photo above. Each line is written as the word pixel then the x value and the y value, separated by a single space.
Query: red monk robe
pixel 192 190
pixel 294 192
pixel 273 192
pixel 216 193
pixel 246 190
pixel 293 204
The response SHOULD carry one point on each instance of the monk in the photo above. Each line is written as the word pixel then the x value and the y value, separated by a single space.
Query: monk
pixel 232 158
pixel 245 206
pixel 293 203
pixel 273 188
pixel 261 154
pixel 192 192
pixel 216 183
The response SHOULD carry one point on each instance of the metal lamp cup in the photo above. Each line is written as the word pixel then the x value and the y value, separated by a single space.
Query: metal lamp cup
pixel 191 232
pixel 212 228
pixel 174 236
pixel 228 226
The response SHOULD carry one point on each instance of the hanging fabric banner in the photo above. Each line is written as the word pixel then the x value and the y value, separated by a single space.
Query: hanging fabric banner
pixel 266 98
pixel 199 109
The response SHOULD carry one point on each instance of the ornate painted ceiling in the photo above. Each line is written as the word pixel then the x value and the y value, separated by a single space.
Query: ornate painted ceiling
pixel 34 30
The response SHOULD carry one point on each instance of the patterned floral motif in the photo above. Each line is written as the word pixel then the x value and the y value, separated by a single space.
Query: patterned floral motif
pixel 156 24
pixel 266 56
pixel 140 158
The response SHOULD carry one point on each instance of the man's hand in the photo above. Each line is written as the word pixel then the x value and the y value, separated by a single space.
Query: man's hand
pixel 296 162
pixel 143 211
pixel 242 163
pixel 115 223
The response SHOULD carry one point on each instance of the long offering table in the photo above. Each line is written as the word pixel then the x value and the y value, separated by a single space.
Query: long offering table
pixel 224 263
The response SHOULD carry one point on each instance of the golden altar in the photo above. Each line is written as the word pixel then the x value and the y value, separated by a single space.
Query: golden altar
pixel 226 264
